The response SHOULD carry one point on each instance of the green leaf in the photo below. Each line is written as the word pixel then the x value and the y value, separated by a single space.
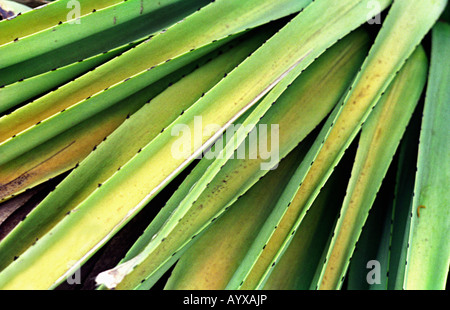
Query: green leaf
pixel 69 148
pixel 428 254
pixel 19 92
pixel 369 265
pixel 226 179
pixel 70 40
pixel 211 260
pixel 115 80
pixel 101 168
pixel 380 137
pixel 402 202
pixel 394 44
pixel 45 16
pixel 296 268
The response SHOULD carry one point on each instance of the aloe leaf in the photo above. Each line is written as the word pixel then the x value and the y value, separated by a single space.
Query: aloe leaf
pixel 164 214
pixel 23 171
pixel 269 76
pixel 51 122
pixel 369 265
pixel 69 148
pixel 402 202
pixel 168 208
pixel 116 79
pixel 69 41
pixel 160 219
pixel 214 255
pixel 38 19
pixel 428 255
pixel 383 253
pixel 229 181
pixel 272 223
pixel 123 22
pixel 127 141
pixel 159 149
pixel 19 92
pixel 380 137
pixel 297 266
pixel 128 170
pixel 177 197
pixel 62 153
pixel 392 47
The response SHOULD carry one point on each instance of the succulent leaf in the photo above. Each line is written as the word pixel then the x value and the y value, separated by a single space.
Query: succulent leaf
pixel 247 144
pixel 227 184
pixel 428 254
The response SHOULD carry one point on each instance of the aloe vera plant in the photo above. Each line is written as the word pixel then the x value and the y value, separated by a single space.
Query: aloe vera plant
pixel 282 117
